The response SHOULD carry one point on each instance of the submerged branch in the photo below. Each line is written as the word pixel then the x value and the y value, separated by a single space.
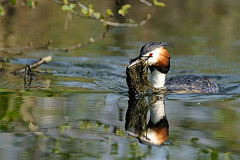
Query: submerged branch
pixel 28 68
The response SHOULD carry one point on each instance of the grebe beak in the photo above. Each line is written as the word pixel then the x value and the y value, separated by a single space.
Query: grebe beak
pixel 148 56
pixel 145 57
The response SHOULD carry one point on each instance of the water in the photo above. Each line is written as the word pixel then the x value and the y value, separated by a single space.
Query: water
pixel 78 109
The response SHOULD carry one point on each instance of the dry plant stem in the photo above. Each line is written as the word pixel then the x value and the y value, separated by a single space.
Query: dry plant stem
pixel 17 50
pixel 115 24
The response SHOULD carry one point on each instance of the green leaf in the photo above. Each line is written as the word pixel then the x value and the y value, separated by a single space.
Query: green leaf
pixel 57 151
pixel 90 11
pixel 14 2
pixel 85 11
pixel 63 127
pixel 66 8
pixel 72 6
pixel 109 12
pixel 2 11
pixel 32 3
pixel 158 4
pixel 204 150
pixel 124 9
pixel 65 1
pixel 90 6
pixel 97 15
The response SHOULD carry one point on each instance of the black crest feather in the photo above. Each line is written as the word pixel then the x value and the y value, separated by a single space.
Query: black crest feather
pixel 153 45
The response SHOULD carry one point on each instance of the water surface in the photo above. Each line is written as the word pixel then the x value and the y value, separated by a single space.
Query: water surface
pixel 78 109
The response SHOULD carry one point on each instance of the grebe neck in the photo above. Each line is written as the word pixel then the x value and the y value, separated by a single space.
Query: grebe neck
pixel 157 111
pixel 157 79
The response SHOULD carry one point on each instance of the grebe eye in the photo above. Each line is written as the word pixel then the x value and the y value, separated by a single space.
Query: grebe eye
pixel 151 54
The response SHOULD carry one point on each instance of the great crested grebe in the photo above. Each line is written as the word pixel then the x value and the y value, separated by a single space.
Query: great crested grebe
pixel 153 130
pixel 159 64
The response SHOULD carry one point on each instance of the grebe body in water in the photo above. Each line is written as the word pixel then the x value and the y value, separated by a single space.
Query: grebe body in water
pixel 159 64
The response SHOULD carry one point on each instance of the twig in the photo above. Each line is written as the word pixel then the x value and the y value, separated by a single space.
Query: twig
pixel 91 40
pixel 80 4
pixel 115 24
pixel 146 3
pixel 94 17
pixel 24 48
pixel 46 47
pixel 110 25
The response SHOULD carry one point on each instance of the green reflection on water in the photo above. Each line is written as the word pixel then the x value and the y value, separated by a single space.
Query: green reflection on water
pixel 78 111
pixel 80 125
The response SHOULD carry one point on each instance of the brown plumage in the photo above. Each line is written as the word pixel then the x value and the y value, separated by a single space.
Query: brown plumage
pixel 162 63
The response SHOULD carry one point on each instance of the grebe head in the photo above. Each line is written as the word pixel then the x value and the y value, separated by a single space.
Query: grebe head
pixel 159 61
pixel 158 56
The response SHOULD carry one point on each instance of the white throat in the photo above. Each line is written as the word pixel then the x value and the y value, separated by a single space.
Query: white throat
pixel 157 79
pixel 157 111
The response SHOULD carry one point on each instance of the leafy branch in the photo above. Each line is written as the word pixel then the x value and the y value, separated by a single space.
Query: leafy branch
pixel 71 7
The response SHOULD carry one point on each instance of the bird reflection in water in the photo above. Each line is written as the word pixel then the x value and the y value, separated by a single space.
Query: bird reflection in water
pixel 153 132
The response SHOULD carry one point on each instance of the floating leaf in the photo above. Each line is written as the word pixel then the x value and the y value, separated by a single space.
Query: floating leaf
pixel 109 12
pixel 194 141
pixel 57 147
pixel 158 4
pixel 63 127
pixel 124 9
pixel 204 150
pixel 57 151
pixel 106 127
